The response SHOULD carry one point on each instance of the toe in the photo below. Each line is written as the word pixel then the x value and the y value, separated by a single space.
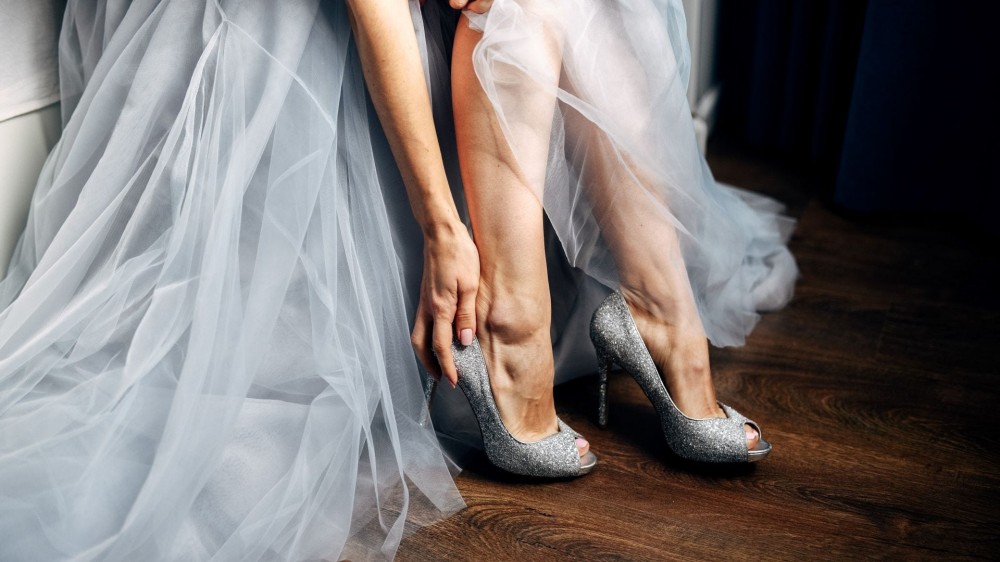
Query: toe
pixel 582 445
pixel 752 436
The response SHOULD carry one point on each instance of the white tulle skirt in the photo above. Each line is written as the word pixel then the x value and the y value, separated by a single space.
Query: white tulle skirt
pixel 204 347
pixel 616 73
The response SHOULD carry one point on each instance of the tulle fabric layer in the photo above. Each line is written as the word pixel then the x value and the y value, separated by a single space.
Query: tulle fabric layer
pixel 204 344
pixel 618 168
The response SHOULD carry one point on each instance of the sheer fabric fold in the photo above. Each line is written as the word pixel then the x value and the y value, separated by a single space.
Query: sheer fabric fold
pixel 204 347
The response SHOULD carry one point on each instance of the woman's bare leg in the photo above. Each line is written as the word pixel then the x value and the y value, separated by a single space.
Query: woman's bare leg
pixel 634 219
pixel 513 306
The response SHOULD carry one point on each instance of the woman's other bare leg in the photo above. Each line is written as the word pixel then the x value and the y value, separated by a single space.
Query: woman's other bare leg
pixel 513 305
pixel 636 221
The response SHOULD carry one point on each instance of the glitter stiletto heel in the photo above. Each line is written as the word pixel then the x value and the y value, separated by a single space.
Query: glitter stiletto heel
pixel 617 340
pixel 555 456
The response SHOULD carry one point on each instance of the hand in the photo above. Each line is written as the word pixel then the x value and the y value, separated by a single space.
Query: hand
pixel 477 6
pixel 447 305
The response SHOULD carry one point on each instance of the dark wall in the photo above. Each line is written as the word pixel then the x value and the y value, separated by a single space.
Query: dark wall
pixel 787 69
pixel 923 125
pixel 893 102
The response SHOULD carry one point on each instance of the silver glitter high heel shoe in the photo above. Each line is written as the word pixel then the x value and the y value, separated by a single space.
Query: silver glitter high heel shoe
pixel 555 456
pixel 718 440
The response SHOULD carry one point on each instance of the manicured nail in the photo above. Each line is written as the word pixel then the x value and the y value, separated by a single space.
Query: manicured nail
pixel 466 337
pixel 751 434
pixel 453 385
pixel 581 443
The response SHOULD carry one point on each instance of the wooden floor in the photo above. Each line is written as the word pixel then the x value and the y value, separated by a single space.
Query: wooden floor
pixel 877 386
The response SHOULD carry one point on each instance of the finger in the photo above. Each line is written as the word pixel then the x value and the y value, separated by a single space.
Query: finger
pixel 425 353
pixel 458 4
pixel 420 338
pixel 442 348
pixel 465 318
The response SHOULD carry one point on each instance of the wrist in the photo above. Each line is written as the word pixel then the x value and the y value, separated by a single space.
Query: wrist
pixel 443 228
pixel 439 218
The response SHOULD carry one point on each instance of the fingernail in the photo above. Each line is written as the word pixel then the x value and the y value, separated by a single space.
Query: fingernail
pixel 581 443
pixel 453 385
pixel 466 337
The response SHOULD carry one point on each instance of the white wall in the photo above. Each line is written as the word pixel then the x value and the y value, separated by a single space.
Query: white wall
pixel 703 92
pixel 25 141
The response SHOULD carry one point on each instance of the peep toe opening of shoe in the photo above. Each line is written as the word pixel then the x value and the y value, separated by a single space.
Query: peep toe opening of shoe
pixel 761 449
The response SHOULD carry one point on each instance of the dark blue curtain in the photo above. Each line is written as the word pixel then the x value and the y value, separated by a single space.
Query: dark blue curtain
pixel 922 132
pixel 787 70
pixel 894 102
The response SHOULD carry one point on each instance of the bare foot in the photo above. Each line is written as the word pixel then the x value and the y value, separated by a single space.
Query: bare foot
pixel 516 343
pixel 680 351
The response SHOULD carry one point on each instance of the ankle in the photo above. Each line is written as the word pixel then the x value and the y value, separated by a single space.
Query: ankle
pixel 664 307
pixel 689 361
pixel 515 318
pixel 516 338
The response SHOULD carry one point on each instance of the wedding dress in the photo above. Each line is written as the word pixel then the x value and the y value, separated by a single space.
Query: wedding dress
pixel 204 342
pixel 204 346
